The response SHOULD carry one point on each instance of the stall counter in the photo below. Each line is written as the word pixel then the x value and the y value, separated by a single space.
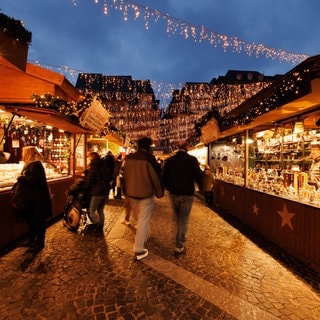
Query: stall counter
pixel 291 225
pixel 10 229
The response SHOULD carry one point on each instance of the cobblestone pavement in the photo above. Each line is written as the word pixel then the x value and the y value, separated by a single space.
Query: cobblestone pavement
pixel 228 272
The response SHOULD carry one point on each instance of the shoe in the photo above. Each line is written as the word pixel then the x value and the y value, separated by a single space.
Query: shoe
pixel 142 254
pixel 126 222
pixel 179 250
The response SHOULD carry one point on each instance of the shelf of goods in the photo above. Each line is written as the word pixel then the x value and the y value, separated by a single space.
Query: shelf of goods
pixel 55 147
pixel 279 197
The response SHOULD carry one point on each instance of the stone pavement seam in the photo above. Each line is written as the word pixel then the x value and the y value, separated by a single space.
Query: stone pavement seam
pixel 215 295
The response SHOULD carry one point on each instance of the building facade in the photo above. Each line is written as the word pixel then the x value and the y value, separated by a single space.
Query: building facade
pixel 195 100
pixel 134 110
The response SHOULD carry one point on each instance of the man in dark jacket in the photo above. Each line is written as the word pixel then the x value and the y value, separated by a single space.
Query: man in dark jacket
pixel 180 173
pixel 142 181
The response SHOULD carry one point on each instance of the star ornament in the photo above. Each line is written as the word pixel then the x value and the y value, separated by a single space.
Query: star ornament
pixel 286 217
pixel 255 209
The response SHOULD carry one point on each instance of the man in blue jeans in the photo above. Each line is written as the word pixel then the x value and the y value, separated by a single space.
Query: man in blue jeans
pixel 180 173
pixel 142 181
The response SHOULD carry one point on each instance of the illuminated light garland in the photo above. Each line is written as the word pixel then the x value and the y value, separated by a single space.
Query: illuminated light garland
pixel 200 33
pixel 162 90
pixel 294 87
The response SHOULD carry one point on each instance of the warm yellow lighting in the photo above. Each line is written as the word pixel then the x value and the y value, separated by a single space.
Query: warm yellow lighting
pixel 298 127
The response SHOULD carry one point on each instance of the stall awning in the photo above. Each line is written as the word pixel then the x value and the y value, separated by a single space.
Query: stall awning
pixel 48 117
pixel 115 138
pixel 296 94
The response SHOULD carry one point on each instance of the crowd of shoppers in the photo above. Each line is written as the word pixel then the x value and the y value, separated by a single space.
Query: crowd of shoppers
pixel 139 177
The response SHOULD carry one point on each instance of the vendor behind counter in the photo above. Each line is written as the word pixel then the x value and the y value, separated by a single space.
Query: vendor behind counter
pixel 314 172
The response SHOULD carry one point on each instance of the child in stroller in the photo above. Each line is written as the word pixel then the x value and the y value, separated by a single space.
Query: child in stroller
pixel 76 206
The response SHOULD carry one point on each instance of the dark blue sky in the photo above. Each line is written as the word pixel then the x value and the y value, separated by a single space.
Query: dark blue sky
pixel 78 35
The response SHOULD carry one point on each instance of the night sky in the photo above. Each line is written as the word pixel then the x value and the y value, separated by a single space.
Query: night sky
pixel 72 36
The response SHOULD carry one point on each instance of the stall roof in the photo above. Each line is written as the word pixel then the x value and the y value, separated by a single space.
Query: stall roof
pixel 115 138
pixel 17 86
pixel 46 116
pixel 289 104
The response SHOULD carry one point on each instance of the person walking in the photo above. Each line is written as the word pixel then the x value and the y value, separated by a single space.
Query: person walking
pixel 208 182
pixel 109 162
pixel 98 185
pixel 142 181
pixel 129 218
pixel 180 173
pixel 117 177
pixel 34 177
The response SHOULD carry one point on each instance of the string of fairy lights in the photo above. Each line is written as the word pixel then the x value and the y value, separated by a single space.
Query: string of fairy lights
pixel 197 33
pixel 162 90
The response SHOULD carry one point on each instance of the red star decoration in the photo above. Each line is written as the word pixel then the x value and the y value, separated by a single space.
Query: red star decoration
pixel 286 217
pixel 255 209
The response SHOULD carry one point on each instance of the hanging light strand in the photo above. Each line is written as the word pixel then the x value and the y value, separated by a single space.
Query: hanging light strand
pixel 162 90
pixel 199 34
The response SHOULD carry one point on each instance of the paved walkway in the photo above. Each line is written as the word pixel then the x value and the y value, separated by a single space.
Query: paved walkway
pixel 228 272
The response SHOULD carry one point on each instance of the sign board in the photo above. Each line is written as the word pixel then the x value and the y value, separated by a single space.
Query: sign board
pixel 95 117
pixel 210 131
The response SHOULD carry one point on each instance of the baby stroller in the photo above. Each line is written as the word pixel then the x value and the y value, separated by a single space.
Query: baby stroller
pixel 76 207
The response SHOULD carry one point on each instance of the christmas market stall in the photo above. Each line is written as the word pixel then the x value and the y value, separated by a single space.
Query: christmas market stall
pixel 265 154
pixel 37 107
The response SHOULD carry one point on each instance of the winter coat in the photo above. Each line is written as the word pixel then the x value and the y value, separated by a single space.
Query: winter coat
pixel 142 176
pixel 34 176
pixel 96 178
pixel 180 172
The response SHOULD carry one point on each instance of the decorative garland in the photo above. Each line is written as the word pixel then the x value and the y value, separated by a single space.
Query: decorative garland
pixel 15 29
pixel 198 33
pixel 73 110
pixel 296 85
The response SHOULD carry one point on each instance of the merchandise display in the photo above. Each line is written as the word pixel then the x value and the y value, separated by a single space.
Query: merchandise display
pixel 282 163
pixel 52 143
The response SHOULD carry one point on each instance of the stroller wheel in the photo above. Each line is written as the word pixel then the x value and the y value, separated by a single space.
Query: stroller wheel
pixel 73 216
